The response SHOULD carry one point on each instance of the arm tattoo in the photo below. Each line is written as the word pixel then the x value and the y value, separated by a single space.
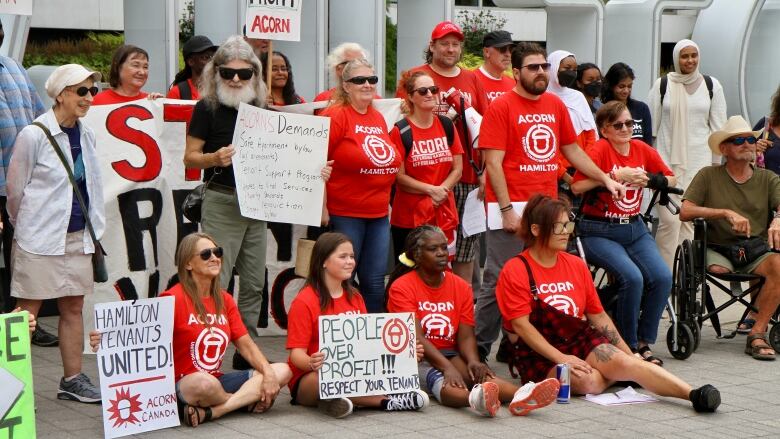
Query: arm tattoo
pixel 611 334
pixel 604 352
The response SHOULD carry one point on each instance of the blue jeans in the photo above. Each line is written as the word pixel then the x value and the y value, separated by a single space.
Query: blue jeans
pixel 371 242
pixel 629 253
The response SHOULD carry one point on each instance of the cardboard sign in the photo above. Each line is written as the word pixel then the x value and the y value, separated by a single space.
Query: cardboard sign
pixel 277 165
pixel 135 361
pixel 274 19
pixel 16 7
pixel 17 398
pixel 368 354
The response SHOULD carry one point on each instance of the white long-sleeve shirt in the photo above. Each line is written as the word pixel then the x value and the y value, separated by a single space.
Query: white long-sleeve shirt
pixel 704 117
pixel 40 195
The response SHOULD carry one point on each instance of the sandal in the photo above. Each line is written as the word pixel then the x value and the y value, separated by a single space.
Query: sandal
pixel 648 356
pixel 746 326
pixel 755 350
pixel 192 418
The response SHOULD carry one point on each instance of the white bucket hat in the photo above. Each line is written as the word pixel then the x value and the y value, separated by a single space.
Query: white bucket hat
pixel 69 74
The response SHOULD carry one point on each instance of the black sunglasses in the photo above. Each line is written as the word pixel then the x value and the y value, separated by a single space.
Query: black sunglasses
pixel 422 91
pixel 629 124
pixel 360 80
pixel 740 140
pixel 243 74
pixel 536 66
pixel 82 91
pixel 206 254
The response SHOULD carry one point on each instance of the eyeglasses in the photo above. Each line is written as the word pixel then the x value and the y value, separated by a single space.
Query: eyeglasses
pixel 422 91
pixel 563 228
pixel 536 66
pixel 205 56
pixel 505 49
pixel 740 140
pixel 206 254
pixel 629 124
pixel 82 91
pixel 360 80
pixel 243 74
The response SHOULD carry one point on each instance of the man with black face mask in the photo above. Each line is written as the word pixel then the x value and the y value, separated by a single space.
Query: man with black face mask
pixel 522 136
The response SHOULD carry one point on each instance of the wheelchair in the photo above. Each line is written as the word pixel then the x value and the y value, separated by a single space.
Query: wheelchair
pixel 692 300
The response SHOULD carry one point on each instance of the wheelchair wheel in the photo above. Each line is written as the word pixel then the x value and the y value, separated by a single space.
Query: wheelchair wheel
pixel 774 337
pixel 696 330
pixel 685 341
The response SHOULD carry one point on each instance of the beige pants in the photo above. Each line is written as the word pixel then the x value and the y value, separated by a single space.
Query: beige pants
pixel 671 231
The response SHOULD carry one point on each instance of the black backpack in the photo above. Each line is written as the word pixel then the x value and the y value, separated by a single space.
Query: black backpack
pixel 665 81
pixel 184 90
pixel 406 131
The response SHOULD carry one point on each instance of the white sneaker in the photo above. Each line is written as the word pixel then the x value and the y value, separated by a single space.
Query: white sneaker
pixel 414 400
pixel 483 398
pixel 338 407
pixel 534 396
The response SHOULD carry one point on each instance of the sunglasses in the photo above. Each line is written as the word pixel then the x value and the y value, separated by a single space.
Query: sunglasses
pixel 505 49
pixel 360 80
pixel 243 74
pixel 206 254
pixel 82 91
pixel 545 66
pixel 629 124
pixel 563 228
pixel 422 91
pixel 740 140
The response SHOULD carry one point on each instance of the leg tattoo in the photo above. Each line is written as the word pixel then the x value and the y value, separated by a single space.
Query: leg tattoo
pixel 604 352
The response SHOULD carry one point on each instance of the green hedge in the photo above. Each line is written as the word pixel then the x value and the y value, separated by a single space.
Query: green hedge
pixel 94 52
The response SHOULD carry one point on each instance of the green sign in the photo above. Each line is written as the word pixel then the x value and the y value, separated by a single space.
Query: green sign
pixel 17 399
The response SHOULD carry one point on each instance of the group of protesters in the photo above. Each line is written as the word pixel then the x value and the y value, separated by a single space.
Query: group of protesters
pixel 551 126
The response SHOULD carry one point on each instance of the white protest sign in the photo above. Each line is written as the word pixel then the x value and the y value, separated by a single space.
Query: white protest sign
pixel 368 354
pixel 16 7
pixel 277 165
pixel 274 19
pixel 135 362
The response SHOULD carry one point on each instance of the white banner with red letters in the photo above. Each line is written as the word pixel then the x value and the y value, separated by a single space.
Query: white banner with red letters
pixel 274 19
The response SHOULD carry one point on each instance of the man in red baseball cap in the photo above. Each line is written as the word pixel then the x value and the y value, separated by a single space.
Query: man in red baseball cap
pixel 441 63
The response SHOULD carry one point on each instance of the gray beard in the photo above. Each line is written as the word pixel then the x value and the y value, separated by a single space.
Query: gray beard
pixel 233 98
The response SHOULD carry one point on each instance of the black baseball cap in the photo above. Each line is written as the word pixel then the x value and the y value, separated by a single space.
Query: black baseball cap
pixel 197 44
pixel 497 38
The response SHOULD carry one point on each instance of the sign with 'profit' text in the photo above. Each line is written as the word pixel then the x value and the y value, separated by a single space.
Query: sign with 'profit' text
pixel 368 354
pixel 135 361
pixel 274 19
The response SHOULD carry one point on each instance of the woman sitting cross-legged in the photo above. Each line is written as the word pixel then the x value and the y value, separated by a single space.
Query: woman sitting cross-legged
pixel 549 304
pixel 329 291
pixel 444 308
pixel 202 311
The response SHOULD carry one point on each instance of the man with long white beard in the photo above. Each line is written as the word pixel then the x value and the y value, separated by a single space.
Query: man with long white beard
pixel 233 75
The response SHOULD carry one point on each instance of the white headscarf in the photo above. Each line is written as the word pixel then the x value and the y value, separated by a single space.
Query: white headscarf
pixel 678 104
pixel 579 110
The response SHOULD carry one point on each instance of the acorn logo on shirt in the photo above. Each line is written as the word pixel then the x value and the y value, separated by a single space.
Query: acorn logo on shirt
pixel 378 151
pixel 554 298
pixel 436 325
pixel 633 197
pixel 208 349
pixel 540 143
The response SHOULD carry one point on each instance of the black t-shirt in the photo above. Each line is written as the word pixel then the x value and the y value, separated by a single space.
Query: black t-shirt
pixel 215 126
pixel 643 125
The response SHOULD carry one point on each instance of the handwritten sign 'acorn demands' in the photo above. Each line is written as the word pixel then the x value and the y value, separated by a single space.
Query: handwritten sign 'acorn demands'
pixel 135 361
pixel 277 165
pixel 367 354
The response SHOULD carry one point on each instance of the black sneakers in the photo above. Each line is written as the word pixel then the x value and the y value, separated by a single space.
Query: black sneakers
pixel 42 338
pixel 705 399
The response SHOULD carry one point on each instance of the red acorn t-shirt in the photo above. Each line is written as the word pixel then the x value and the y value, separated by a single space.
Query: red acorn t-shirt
pixel 429 161
pixel 531 132
pixel 566 286
pixel 109 96
pixel 493 87
pixel 198 346
pixel 471 89
pixel 440 310
pixel 303 327
pixel 640 155
pixel 366 163
pixel 175 93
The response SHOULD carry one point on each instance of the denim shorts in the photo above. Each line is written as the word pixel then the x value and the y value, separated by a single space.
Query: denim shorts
pixel 231 382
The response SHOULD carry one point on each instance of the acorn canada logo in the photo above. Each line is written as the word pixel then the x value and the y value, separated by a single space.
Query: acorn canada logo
pixel 539 143
pixel 124 408
pixel 378 151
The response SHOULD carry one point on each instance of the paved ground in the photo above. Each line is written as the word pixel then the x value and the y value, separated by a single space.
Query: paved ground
pixel 750 392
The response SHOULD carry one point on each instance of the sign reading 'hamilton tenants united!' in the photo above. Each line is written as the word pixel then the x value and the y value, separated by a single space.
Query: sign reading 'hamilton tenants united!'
pixel 277 165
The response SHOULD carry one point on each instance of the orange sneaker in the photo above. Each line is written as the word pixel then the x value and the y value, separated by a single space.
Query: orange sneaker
pixel 534 396
pixel 484 399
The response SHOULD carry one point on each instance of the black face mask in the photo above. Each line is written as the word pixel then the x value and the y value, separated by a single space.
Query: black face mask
pixel 567 78
pixel 593 89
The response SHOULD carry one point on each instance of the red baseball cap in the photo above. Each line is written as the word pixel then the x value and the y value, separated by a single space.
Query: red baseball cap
pixel 445 28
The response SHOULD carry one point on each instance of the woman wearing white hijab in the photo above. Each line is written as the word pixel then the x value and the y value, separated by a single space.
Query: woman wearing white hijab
pixel 563 79
pixel 682 122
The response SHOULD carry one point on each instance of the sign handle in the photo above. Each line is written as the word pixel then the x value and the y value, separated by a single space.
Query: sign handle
pixel 269 61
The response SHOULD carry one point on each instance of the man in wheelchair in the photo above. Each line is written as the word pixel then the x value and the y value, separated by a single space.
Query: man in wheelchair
pixel 741 205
